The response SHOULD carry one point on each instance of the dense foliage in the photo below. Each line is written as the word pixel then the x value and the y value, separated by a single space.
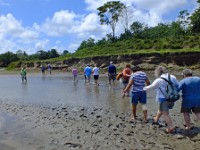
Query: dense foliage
pixel 8 57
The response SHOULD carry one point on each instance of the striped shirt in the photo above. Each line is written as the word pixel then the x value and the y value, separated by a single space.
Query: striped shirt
pixel 139 79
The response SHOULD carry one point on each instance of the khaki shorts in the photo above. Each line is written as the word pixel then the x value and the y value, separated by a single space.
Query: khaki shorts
pixel 165 106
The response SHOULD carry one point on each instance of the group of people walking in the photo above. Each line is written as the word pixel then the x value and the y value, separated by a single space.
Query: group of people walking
pixel 188 87
pixel 43 68
pixel 87 74
pixel 136 80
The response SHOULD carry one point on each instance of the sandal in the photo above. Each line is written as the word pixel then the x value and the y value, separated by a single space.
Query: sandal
pixel 132 120
pixel 146 121
pixel 170 130
pixel 186 127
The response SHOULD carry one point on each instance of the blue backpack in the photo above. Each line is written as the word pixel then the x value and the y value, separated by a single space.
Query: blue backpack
pixel 171 91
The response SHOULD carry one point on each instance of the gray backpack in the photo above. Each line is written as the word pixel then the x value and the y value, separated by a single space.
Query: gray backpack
pixel 171 91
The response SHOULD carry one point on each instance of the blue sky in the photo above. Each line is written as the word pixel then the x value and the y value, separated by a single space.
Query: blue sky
pixel 32 25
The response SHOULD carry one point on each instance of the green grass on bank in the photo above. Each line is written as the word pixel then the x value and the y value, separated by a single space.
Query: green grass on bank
pixel 163 46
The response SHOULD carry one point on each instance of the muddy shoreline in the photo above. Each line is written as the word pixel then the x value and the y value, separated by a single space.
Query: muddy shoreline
pixel 67 127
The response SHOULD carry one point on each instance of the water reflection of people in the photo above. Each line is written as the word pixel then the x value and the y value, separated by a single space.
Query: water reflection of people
pixel 23 74
pixel 138 80
pixel 159 84
pixel 190 86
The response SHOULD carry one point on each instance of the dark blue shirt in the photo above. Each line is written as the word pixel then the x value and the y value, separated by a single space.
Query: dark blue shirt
pixel 112 69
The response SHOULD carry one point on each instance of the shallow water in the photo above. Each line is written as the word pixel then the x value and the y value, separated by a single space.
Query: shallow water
pixel 59 89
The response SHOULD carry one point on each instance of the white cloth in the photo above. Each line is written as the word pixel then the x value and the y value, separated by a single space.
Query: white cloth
pixel 96 71
pixel 160 84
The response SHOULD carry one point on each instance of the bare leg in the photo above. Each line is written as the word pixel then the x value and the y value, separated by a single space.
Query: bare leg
pixel 187 120
pixel 167 119
pixel 157 117
pixel 145 115
pixel 134 111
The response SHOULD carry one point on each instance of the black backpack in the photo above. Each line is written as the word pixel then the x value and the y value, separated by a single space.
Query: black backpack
pixel 171 91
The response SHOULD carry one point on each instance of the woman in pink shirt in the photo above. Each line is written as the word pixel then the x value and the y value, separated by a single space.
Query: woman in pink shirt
pixel 75 74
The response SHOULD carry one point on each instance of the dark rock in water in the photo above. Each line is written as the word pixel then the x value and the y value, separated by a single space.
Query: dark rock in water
pixel 82 115
pixel 73 145
pixel 98 116
pixel 63 108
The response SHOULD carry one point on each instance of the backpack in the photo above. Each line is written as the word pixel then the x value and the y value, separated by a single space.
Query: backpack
pixel 120 75
pixel 171 91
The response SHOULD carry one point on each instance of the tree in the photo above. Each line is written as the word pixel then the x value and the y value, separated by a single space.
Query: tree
pixel 126 16
pixel 137 28
pixel 7 58
pixel 42 55
pixel 53 53
pixel 101 42
pixel 183 19
pixel 109 14
pixel 65 52
pixel 195 20
pixel 22 55
pixel 87 44
pixel 126 35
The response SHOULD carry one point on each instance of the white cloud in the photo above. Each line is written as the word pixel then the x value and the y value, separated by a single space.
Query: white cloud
pixel 6 45
pixel 9 25
pixel 29 35
pixel 60 24
pixel 41 45
pixel 13 34
pixel 74 46
pixel 89 25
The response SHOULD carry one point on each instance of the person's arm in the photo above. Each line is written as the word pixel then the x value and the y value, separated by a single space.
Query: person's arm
pixel 154 85
pixel 108 70
pixel 115 71
pixel 180 85
pixel 84 70
pixel 147 81
pixel 127 88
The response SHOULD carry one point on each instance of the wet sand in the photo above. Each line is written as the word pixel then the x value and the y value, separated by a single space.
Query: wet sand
pixel 32 127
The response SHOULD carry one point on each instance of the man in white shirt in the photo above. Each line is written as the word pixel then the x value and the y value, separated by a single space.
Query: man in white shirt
pixel 96 74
